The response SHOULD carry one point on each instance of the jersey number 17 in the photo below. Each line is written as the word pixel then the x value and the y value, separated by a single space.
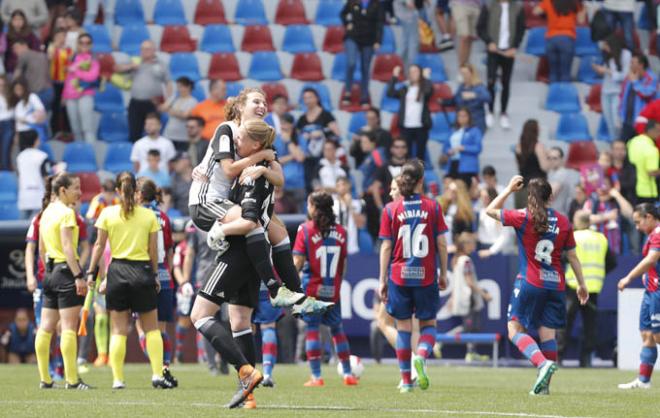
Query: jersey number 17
pixel 328 256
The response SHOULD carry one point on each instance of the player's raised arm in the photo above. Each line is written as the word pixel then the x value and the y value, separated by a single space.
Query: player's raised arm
pixel 494 209
pixel 651 259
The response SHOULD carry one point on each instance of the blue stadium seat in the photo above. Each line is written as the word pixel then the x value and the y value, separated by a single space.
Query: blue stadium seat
pixel 198 92
pixel 102 41
pixel 339 69
pixel 132 37
pixel 45 147
pixel 109 99
pixel 217 38
pixel 169 12
pixel 563 98
pixel 250 12
pixel 9 211
pixel 442 126
pixel 265 66
pixel 8 186
pixel 603 133
pixel 357 122
pixel 118 157
pixel 573 127
pixel 584 46
pixel 586 73
pixel 434 62
pixel 389 104
pixel 323 93
pixel 644 22
pixel 233 89
pixel 79 157
pixel 128 12
pixel 365 242
pixel 327 12
pixel 388 43
pixel 536 41
pixel 298 39
pixel 184 64
pixel 113 127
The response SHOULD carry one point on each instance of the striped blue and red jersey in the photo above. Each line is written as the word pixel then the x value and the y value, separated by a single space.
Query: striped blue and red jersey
pixel 651 278
pixel 326 259
pixel 539 256
pixel 165 244
pixel 413 223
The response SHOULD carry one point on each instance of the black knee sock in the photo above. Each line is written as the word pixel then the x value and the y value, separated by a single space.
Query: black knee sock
pixel 258 250
pixel 245 341
pixel 222 340
pixel 283 261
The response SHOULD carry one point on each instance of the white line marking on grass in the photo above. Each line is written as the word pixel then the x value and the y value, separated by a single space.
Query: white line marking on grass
pixel 294 407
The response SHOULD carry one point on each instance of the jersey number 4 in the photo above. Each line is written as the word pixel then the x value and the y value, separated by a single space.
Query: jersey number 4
pixel 415 244
pixel 328 255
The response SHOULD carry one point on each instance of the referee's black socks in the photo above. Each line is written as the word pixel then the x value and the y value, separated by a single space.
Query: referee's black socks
pixel 245 341
pixel 258 250
pixel 220 337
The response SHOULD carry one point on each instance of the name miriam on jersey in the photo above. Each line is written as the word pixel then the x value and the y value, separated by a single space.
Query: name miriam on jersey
pixel 413 213
pixel 333 234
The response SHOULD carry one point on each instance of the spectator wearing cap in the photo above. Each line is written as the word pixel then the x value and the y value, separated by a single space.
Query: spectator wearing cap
pixel 212 110
pixel 34 11
pixel 330 168
pixel 278 108
pixel 383 136
pixel 153 169
pixel 179 107
pixel 18 30
pixel 33 67
pixel 291 154
pixel 196 144
pixel 181 180
pixel 638 89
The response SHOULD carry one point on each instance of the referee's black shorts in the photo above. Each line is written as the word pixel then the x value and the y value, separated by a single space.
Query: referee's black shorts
pixel 234 279
pixel 59 288
pixel 206 214
pixel 131 285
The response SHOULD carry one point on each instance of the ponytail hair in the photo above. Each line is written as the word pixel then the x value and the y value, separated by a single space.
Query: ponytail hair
pixel 411 173
pixel 127 186
pixel 149 191
pixel 260 131
pixel 57 182
pixel 538 195
pixel 234 104
pixel 324 215
pixel 48 194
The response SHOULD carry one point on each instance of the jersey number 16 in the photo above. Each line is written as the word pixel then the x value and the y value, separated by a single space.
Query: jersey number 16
pixel 415 244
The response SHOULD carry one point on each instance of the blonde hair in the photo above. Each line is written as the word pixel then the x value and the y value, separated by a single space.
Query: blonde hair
pixel 463 203
pixel 232 107
pixel 475 74
pixel 463 240
pixel 259 131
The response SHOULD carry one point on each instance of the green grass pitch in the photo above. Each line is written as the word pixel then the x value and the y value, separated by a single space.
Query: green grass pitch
pixel 454 391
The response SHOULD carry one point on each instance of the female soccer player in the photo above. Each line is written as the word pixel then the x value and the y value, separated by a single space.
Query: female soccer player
pixel 131 283
pixel 538 299
pixel 322 243
pixel 647 220
pixel 64 286
pixel 412 229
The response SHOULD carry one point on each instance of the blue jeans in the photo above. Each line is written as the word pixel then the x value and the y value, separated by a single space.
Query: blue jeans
pixel 108 13
pixel 626 20
pixel 364 54
pixel 46 96
pixel 410 43
pixel 610 104
pixel 560 51
pixel 6 138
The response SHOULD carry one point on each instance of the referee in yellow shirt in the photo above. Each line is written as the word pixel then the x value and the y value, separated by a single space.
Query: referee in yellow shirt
pixel 64 287
pixel 132 280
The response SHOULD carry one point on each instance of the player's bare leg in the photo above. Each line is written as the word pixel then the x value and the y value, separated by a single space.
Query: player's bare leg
pixel 528 347
pixel 648 357
pixel 548 347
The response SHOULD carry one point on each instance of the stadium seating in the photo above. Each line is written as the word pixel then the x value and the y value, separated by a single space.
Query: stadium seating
pixel 584 46
pixel 118 157
pixel 562 98
pixel 217 38
pixel 434 62
pixel 90 186
pixel 107 63
pixel 45 147
pixel 132 37
pixel 250 12
pixel 532 20
pixel 383 66
pixel 265 66
pixel 333 40
pixel 290 12
pixel 354 105
pixel 257 38
pixel 177 39
pixel 298 39
pixel 338 71
pixel 224 67
pixel 536 41
pixel 441 91
pixel 79 157
pixel 389 104
pixel 198 92
pixel 593 99
pixel 586 73
pixel 307 67
pixel 210 12
pixel 184 64
pixel 365 242
pixel 603 133
pixel 572 127
pixel 109 99
pixel 169 12
pixel 113 127
pixel 9 211
pixel 323 92
pixel 274 89
pixel 101 37
pixel 327 12
pixel 8 186
pixel 129 12
pixel 357 122
pixel 388 43
pixel 580 153
pixel 442 126
pixel 233 89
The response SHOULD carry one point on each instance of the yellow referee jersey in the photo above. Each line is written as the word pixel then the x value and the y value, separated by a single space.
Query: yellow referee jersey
pixel 57 216
pixel 129 238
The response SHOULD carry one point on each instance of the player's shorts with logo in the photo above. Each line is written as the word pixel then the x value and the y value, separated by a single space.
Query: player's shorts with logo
pixel 404 301
pixel 534 306
pixel 329 318
pixel 266 313
pixel 59 287
pixel 131 285
pixel 649 313
pixel 206 214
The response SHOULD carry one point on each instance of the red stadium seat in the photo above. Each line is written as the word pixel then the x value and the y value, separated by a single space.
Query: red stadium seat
pixel 394 126
pixel 210 12
pixel 543 70
pixel 274 89
pixel 290 12
pixel 354 106
pixel 333 41
pixel 107 63
pixel 90 185
pixel 224 66
pixel 531 20
pixel 307 67
pixel 177 39
pixel 580 153
pixel 593 99
pixel 441 91
pixel 257 38
pixel 383 66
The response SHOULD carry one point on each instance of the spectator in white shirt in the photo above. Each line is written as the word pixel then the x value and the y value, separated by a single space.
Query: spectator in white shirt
pixel 178 107
pixel 492 237
pixel 152 140
pixel 28 109
pixel 330 167
pixel 349 212
pixel 32 166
